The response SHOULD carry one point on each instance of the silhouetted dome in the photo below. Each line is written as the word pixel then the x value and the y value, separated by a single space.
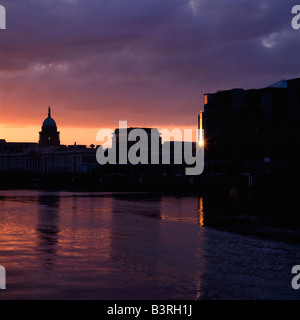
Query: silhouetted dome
pixel 49 136
pixel 49 122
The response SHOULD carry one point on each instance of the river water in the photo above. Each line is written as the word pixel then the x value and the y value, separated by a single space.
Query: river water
pixel 72 245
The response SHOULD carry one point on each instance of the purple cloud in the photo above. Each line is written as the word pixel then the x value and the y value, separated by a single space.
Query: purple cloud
pixel 145 61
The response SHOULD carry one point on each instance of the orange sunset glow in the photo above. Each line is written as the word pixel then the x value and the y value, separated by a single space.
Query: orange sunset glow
pixel 147 65
pixel 71 134
pixel 152 74
pixel 147 154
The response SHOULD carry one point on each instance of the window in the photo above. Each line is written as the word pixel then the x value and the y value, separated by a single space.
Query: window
pixel 205 99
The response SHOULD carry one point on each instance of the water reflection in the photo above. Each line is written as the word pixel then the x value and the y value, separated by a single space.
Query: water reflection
pixel 143 204
pixel 48 227
pixel 139 246
pixel 201 212
pixel 249 218
pixel 161 258
pixel 129 226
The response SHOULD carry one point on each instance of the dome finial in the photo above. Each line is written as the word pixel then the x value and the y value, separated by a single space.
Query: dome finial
pixel 49 112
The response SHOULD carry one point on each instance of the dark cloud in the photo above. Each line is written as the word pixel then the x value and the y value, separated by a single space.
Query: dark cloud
pixel 145 60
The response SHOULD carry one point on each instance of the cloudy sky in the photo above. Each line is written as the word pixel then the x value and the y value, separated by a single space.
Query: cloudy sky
pixel 145 61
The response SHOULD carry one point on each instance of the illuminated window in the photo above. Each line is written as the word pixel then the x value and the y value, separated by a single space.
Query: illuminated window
pixel 205 99
pixel 200 130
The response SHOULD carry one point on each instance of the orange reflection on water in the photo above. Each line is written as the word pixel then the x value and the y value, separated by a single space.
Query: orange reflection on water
pixel 201 212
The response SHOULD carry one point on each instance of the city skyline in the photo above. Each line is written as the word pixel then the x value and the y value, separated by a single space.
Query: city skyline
pixel 147 64
pixel 148 152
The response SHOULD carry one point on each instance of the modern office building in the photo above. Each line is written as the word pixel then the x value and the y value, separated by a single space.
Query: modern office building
pixel 253 131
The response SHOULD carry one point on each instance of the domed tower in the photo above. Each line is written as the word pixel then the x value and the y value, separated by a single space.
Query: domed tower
pixel 49 136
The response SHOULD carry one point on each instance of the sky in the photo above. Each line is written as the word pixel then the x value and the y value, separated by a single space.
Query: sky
pixel 98 62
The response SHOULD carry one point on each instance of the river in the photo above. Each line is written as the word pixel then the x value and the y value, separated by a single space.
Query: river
pixel 142 246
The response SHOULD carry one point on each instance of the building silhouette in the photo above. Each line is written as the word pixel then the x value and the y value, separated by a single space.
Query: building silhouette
pixel 253 131
pixel 47 156
pixel 124 135
pixel 49 136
